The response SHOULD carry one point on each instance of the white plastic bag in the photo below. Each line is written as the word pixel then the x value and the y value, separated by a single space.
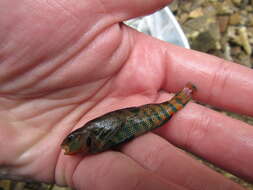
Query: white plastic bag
pixel 162 25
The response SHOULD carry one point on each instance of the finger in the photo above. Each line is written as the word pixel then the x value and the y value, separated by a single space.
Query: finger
pixel 157 155
pixel 113 170
pixel 123 10
pixel 224 141
pixel 220 83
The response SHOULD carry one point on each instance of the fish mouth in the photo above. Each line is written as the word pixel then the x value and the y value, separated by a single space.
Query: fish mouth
pixel 66 149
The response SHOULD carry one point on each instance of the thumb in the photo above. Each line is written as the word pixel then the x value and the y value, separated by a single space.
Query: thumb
pixel 124 10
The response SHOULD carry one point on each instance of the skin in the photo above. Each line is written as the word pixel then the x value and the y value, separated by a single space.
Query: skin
pixel 63 63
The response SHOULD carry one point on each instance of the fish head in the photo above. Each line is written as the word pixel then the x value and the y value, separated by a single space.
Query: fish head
pixel 77 142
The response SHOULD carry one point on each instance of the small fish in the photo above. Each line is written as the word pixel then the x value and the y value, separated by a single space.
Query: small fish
pixel 122 125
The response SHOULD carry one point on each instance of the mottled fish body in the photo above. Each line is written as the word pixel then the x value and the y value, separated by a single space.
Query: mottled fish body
pixel 122 125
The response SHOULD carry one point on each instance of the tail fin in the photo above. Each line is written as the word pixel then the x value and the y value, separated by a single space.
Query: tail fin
pixel 186 93
pixel 180 99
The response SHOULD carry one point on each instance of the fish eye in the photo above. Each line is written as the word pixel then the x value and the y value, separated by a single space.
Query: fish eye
pixel 71 137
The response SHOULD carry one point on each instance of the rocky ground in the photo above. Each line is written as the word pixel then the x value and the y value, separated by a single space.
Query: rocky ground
pixel 220 27
pixel 223 28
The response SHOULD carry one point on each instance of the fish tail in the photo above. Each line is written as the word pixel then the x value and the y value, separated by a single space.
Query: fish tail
pixel 180 99
pixel 185 95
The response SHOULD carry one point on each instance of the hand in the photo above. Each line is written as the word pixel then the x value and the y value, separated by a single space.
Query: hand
pixel 66 62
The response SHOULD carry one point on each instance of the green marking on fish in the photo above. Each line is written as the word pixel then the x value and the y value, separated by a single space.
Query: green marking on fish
pixel 120 126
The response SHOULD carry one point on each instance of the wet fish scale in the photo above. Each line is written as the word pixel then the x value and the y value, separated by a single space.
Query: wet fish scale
pixel 122 125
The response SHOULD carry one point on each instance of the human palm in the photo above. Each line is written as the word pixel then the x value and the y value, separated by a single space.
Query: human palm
pixel 66 62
